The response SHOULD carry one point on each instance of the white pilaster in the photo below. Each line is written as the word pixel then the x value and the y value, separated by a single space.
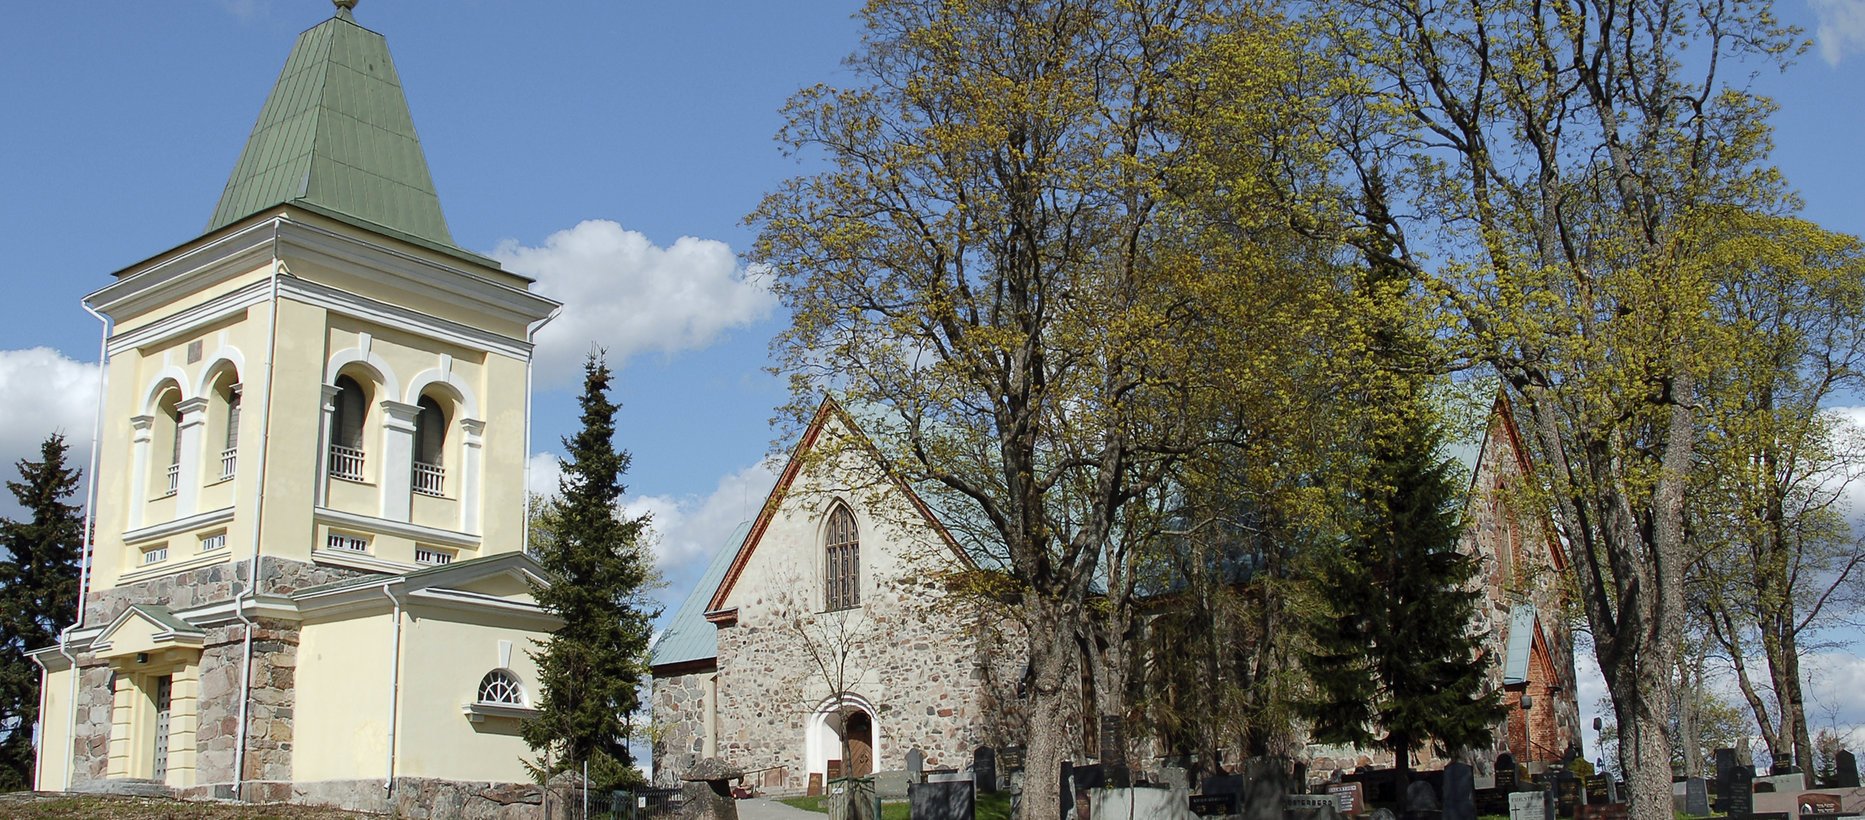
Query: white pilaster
pixel 472 444
pixel 329 405
pixel 191 429
pixel 142 435
pixel 397 475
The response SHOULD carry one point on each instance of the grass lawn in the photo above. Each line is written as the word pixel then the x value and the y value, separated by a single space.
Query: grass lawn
pixel 989 806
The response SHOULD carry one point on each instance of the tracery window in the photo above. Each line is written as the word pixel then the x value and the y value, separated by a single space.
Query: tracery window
pixel 842 561
pixel 500 686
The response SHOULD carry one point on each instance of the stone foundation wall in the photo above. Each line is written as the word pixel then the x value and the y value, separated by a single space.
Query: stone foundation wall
pixel 679 725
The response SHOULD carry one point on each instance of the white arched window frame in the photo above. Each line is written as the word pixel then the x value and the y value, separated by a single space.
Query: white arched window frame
pixel 501 688
pixel 349 415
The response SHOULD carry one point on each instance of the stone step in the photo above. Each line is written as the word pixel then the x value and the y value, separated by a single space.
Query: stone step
pixel 130 786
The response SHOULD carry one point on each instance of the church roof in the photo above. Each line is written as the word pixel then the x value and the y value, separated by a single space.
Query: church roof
pixel 336 137
pixel 689 636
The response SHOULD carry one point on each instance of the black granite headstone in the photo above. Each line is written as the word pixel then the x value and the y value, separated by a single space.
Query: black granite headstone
pixel 1420 802
pixel 951 800
pixel 1459 798
pixel 1505 773
pixel 1845 770
pixel 1010 759
pixel 1491 802
pixel 1264 787
pixel 984 769
pixel 1725 768
pixel 1570 794
pixel 1225 791
pixel 1696 797
pixel 1114 751
pixel 1741 792
pixel 1600 789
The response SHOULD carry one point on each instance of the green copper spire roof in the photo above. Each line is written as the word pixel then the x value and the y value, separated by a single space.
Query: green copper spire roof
pixel 335 136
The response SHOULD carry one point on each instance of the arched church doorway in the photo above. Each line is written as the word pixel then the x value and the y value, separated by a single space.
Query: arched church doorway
pixel 841 738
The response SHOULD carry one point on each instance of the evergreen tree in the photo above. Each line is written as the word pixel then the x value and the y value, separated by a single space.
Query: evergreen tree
pixel 38 595
pixel 1391 645
pixel 591 668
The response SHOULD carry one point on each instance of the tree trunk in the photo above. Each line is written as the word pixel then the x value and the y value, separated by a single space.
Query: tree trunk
pixel 1640 704
pixel 1051 639
pixel 1792 698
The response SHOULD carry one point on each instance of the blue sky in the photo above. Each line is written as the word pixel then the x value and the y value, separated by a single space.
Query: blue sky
pixel 610 148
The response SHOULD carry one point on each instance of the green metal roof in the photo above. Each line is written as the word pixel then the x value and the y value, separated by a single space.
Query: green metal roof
pixel 689 636
pixel 335 136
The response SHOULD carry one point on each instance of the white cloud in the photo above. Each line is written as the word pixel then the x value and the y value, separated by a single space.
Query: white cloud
pixel 42 392
pixel 624 293
pixel 692 528
pixel 1841 29
pixel 688 528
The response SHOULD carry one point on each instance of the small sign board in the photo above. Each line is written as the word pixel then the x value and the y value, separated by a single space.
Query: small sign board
pixel 1309 802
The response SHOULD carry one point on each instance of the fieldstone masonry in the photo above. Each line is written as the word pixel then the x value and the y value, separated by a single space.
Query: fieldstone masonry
pixel 680 724
pixel 273 674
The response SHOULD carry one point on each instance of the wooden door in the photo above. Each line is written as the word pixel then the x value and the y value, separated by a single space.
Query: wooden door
pixel 163 688
pixel 860 731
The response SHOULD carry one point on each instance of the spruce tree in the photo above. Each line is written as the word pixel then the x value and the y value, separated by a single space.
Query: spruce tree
pixel 38 595
pixel 1391 646
pixel 591 668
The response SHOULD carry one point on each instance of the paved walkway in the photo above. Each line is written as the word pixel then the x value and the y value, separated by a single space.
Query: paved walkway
pixel 760 808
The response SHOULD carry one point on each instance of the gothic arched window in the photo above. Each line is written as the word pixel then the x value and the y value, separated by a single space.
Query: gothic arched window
pixel 842 561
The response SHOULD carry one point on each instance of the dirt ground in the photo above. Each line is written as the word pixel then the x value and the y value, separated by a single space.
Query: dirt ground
pixel 34 806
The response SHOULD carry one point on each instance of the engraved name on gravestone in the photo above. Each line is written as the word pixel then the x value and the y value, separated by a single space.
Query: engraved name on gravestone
pixel 1505 772
pixel 1535 805
pixel 1601 788
pixel 1741 792
pixel 1569 794
pixel 1351 796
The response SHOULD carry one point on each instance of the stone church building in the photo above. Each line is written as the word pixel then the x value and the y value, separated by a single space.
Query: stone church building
pixel 822 640
pixel 308 579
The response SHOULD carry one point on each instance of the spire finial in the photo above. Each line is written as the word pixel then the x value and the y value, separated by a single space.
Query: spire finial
pixel 344 5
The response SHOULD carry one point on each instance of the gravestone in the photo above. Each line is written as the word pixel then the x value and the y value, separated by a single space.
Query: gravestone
pixel 1696 797
pixel 1292 803
pixel 1492 802
pixel 1225 791
pixel 1265 784
pixel 1213 805
pixel 815 785
pixel 1420 803
pixel 1010 759
pixel 1350 796
pixel 1601 789
pixel 1845 770
pixel 1602 811
pixel 1569 794
pixel 916 766
pixel 1725 769
pixel 941 801
pixel 1068 794
pixel 1783 764
pixel 1174 777
pixel 1505 772
pixel 1382 813
pixel 1114 751
pixel 1741 792
pixel 1459 796
pixel 891 784
pixel 984 769
pixel 1531 805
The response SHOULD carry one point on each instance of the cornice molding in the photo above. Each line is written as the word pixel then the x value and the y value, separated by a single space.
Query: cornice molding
pixel 402 529
pixel 167 528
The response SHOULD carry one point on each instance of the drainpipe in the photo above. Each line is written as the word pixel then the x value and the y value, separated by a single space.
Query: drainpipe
pixel 388 781
pixel 252 577
pixel 84 553
pixel 530 359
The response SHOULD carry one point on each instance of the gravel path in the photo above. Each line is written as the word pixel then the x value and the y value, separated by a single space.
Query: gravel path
pixel 759 808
